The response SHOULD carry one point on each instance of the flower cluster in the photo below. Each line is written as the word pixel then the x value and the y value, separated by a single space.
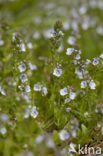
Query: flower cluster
pixel 40 88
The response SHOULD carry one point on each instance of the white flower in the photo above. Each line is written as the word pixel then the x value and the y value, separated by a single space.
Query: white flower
pixel 37 87
pixel 29 45
pixel 44 90
pixel 86 114
pixel 53 34
pixel 64 135
pixel 92 85
pixel 95 61
pixel 63 92
pixel 14 83
pixel 79 73
pixel 32 66
pixel 27 113
pixel 13 37
pixel 3 130
pixel 23 49
pixel 72 95
pixel 71 40
pixel 100 30
pixel 66 25
pixel 34 112
pixel 101 56
pixel 22 67
pixel 61 33
pixel 47 33
pixel 74 133
pixel 88 61
pixel 2 91
pixel 27 88
pixel 25 146
pixel 83 84
pixel 85 24
pixel 79 51
pixel 57 72
pixel 69 51
pixel 82 9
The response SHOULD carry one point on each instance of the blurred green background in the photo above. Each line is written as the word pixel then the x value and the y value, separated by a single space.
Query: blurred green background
pixel 30 16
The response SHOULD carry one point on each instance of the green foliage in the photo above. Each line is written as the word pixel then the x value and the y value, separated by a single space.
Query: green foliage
pixel 51 88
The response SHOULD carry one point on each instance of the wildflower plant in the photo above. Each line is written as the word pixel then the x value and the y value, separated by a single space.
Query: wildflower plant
pixel 50 93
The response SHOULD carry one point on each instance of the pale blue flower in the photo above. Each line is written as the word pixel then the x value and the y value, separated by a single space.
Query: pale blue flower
pixel 22 67
pixel 22 46
pixel 69 51
pixel 79 72
pixel 27 113
pixel 61 33
pixel 83 84
pixel 3 130
pixel 64 135
pixel 23 77
pixel 29 45
pixel 1 42
pixel 34 113
pixel 37 87
pixel 4 117
pixel 32 66
pixel 63 91
pixel 71 40
pixel 100 30
pixel 60 49
pixel 2 91
pixel 88 61
pixel 36 35
pixel 96 110
pixel 27 88
pixel 92 85
pixel 95 61
pixel 75 62
pixel 39 139
pixel 57 72
pixel 101 56
pixel 77 57
pixel 72 95
pixel 67 100
pixel 68 109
